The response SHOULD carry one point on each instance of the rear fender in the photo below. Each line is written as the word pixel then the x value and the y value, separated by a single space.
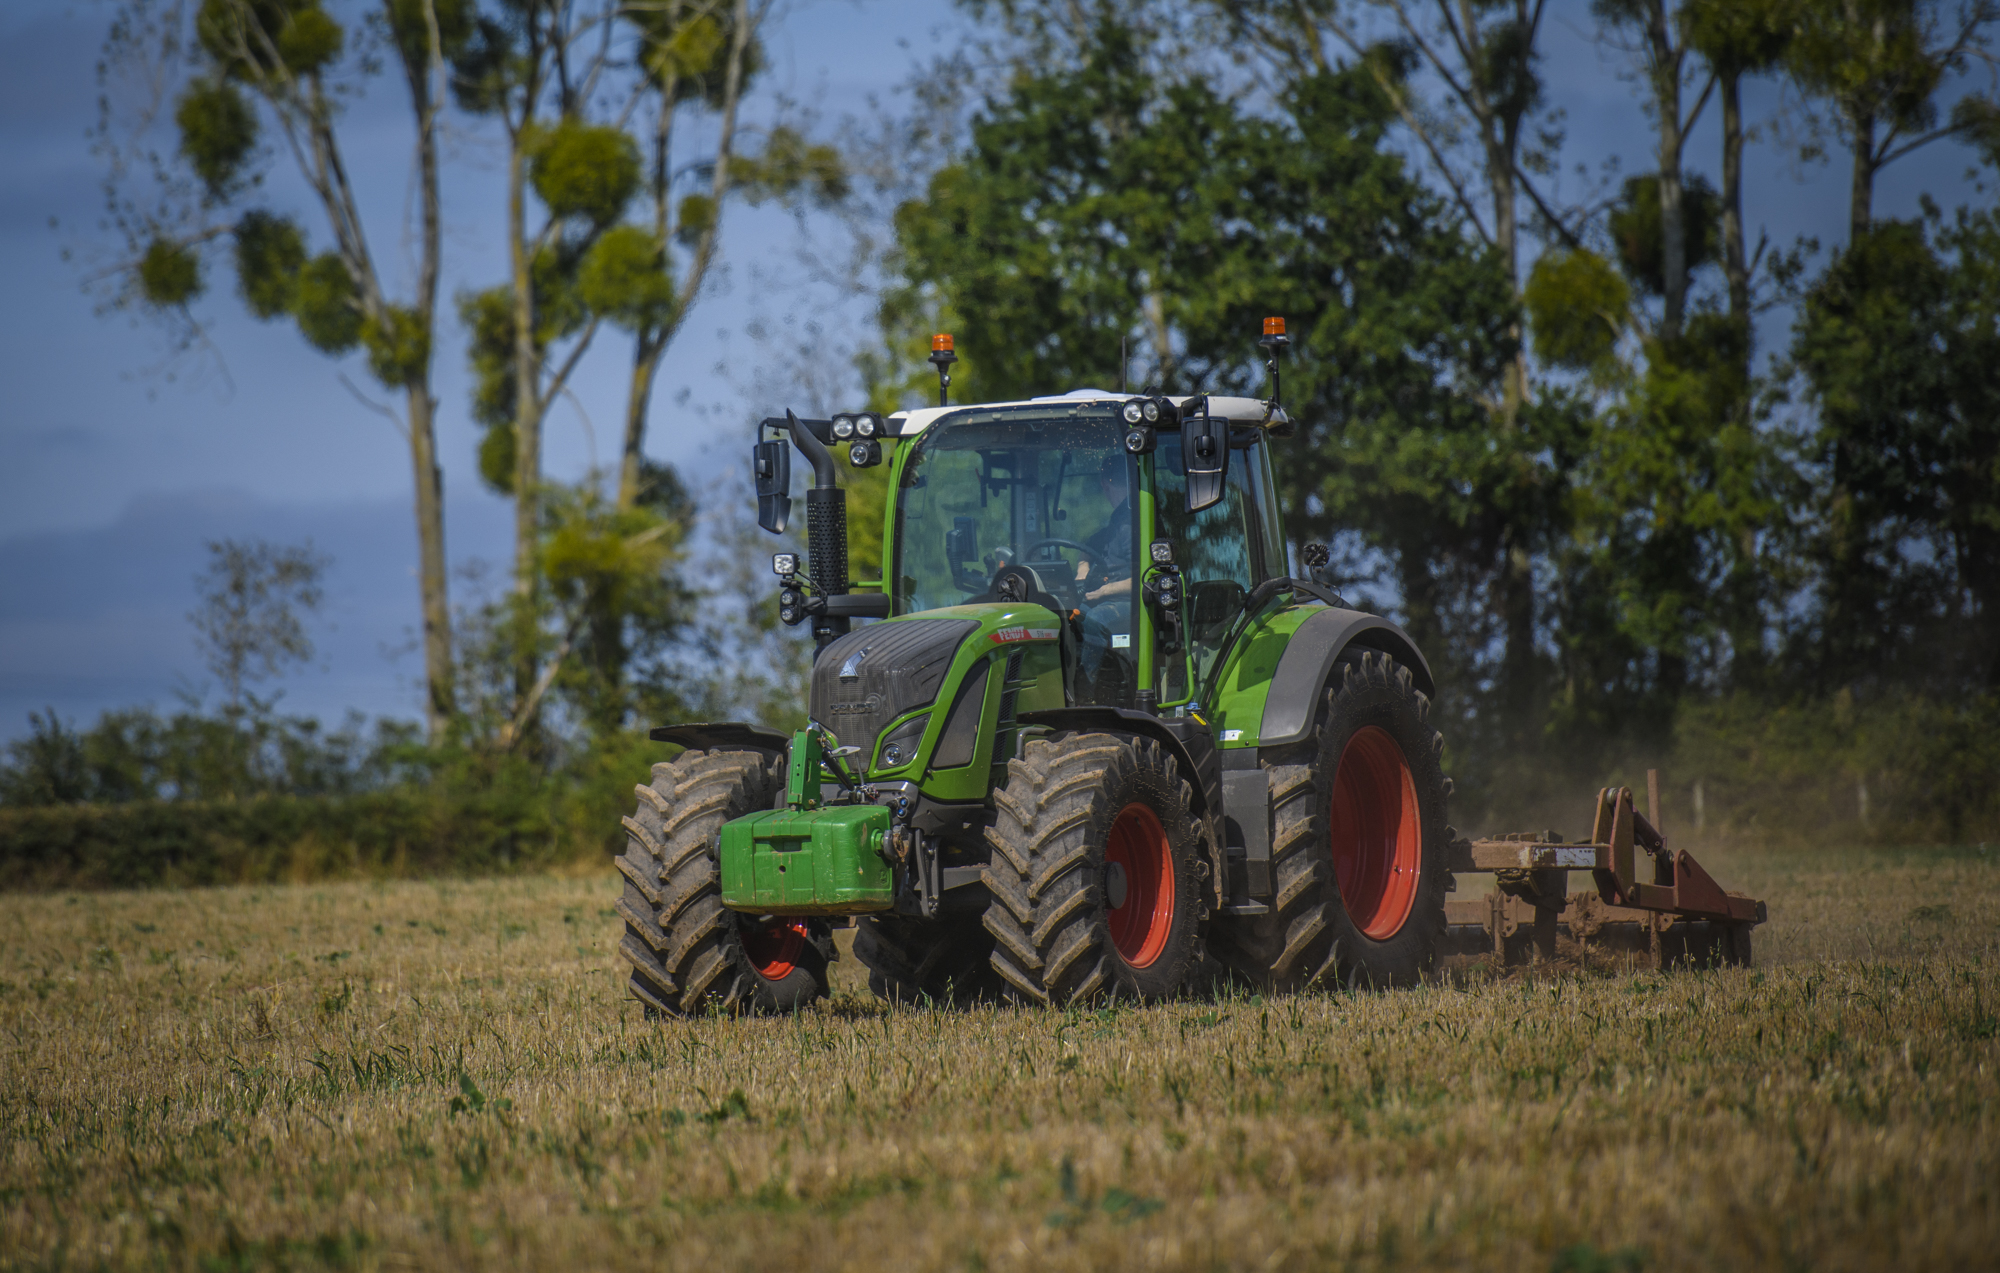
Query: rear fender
pixel 1301 675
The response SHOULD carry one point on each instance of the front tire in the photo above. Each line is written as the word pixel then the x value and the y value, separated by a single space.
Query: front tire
pixel 943 961
pixel 1357 846
pixel 1095 873
pixel 688 951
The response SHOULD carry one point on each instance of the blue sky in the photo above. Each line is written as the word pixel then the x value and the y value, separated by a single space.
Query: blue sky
pixel 113 474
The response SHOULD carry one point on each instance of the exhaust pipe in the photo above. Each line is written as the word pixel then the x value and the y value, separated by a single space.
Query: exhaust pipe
pixel 826 532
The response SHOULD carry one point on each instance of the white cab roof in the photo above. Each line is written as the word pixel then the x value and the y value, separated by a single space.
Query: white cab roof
pixel 1237 410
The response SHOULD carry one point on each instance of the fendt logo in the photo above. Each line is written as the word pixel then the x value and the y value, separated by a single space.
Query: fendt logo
pixel 866 707
pixel 851 670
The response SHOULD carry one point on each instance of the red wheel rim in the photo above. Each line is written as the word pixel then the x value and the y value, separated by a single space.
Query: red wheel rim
pixel 1138 847
pixel 774 948
pixel 1378 836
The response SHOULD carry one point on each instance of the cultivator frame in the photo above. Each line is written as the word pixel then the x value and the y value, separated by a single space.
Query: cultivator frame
pixel 1680 915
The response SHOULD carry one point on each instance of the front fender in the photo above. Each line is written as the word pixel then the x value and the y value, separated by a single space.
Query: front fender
pixel 721 736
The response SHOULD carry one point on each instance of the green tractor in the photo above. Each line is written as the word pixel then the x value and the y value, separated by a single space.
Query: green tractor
pixel 1101 739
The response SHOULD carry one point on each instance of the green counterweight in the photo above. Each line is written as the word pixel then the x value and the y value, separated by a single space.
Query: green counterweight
pixel 830 861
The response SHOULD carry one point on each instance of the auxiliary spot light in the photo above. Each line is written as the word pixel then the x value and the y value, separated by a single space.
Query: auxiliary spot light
pixel 863 455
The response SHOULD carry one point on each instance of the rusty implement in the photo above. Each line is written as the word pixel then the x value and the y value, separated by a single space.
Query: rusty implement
pixel 1647 899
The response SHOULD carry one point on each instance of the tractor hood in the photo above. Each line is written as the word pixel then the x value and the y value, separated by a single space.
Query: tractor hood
pixel 866 679
pixel 911 692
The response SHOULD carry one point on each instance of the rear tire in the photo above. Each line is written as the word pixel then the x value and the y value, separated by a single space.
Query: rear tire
pixel 1357 845
pixel 1095 873
pixel 937 960
pixel 687 950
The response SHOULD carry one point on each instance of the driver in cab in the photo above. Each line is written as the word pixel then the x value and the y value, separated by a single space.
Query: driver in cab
pixel 1104 575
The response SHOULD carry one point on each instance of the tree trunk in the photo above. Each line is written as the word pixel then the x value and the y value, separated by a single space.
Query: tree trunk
pixel 1735 262
pixel 1506 241
pixel 1517 673
pixel 1666 73
pixel 1861 206
pixel 645 363
pixel 527 378
pixel 440 702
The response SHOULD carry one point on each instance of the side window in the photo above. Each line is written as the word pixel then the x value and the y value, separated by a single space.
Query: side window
pixel 1268 532
pixel 1220 541
pixel 1221 549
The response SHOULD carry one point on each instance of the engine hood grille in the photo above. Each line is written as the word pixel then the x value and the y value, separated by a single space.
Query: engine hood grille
pixel 866 679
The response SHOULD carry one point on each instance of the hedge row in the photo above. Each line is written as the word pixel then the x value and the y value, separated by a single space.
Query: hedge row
pixel 401 832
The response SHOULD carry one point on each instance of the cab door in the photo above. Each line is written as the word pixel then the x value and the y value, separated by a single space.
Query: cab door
pixel 1224 551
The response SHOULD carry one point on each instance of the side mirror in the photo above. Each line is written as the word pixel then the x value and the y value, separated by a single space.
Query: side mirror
pixel 1204 454
pixel 771 462
pixel 1213 603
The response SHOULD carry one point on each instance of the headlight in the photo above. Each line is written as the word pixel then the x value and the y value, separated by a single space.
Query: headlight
pixel 843 427
pixel 864 426
pixel 1132 412
pixel 1152 410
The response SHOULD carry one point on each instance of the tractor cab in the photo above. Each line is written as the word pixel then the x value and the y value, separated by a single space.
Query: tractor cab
pixel 1067 505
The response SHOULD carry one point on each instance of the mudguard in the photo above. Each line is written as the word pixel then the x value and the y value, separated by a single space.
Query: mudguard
pixel 1301 673
pixel 1207 777
pixel 721 736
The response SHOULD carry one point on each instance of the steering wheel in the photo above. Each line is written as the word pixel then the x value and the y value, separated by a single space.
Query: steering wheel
pixel 1068 587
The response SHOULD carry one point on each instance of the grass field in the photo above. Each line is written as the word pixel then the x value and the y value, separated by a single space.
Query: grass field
pixel 449 1075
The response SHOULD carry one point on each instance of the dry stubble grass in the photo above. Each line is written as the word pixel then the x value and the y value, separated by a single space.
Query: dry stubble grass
pixel 449 1075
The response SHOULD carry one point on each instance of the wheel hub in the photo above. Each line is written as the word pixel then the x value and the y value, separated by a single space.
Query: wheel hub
pixel 774 945
pixel 1377 833
pixel 1138 885
pixel 1116 886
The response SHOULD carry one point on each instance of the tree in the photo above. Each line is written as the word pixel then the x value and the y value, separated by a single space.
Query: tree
pixel 535 68
pixel 291 65
pixel 1896 345
pixel 696 55
pixel 531 66
pixel 1484 55
pixel 1663 53
pixel 250 624
pixel 1115 199
pixel 1737 38
pixel 1880 64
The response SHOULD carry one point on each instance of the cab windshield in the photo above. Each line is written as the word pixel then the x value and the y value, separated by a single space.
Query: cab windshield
pixel 1053 495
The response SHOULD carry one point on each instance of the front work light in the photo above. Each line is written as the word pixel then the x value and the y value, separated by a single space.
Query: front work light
pixel 864 455
pixel 783 564
pixel 1162 551
pixel 1139 441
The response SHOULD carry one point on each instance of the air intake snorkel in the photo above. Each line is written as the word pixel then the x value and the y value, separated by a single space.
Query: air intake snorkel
pixel 826 532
